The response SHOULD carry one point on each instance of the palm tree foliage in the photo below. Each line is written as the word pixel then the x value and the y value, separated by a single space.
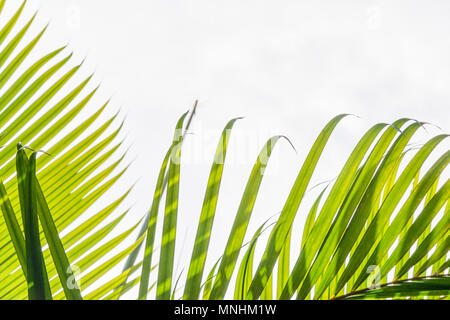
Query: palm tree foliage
pixel 72 178
pixel 380 230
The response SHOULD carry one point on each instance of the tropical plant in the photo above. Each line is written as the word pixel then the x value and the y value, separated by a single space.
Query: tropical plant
pixel 72 178
pixel 379 230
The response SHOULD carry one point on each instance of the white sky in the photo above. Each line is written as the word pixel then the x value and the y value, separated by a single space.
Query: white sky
pixel 286 66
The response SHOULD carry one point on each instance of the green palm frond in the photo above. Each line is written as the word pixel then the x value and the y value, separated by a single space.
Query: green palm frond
pixel 431 287
pixel 346 239
pixel 70 177
pixel 379 230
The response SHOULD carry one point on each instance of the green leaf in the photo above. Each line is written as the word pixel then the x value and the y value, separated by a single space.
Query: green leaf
pixel 245 272
pixel 368 204
pixel 241 221
pixel 424 219
pixel 13 227
pixel 441 251
pixel 311 217
pixel 283 265
pixel 283 225
pixel 164 284
pixel 38 286
pixel 352 199
pixel 28 114
pixel 51 233
pixel 6 52
pixel 149 225
pixel 207 286
pixel 204 227
pixel 325 217
pixel 436 286
pixel 112 284
pixel 90 278
pixel 405 214
pixel 371 237
pixel 151 231
pixel 7 28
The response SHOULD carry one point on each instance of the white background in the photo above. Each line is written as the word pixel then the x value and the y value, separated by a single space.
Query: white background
pixel 288 67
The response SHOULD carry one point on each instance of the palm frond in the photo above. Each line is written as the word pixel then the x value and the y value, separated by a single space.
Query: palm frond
pixel 384 218
pixel 28 114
